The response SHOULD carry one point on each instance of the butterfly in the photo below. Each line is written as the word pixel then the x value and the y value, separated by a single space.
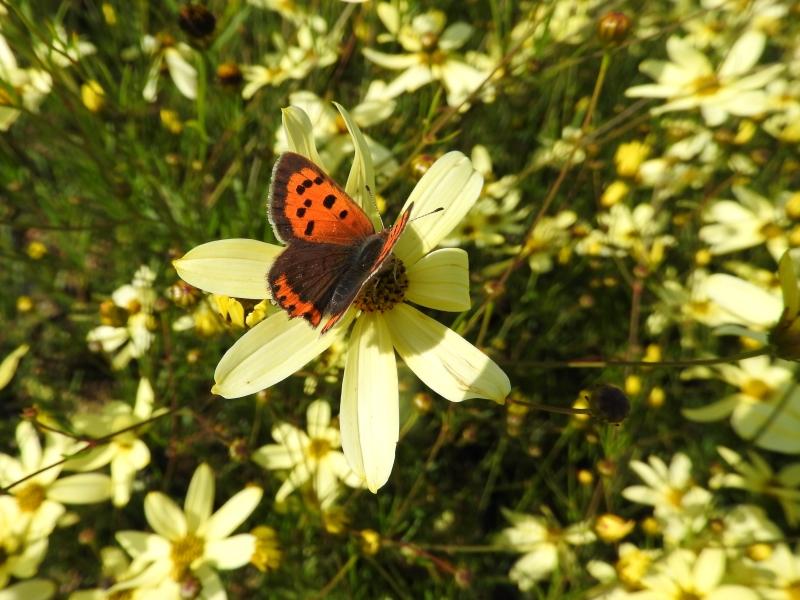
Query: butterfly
pixel 332 248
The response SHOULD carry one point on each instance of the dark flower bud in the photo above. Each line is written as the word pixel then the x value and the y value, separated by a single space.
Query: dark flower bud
pixel 608 403
pixel 196 20
pixel 613 27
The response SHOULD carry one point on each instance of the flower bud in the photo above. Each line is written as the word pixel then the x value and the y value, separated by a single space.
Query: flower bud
pixel 609 404
pixel 196 20
pixel 229 74
pixel 613 27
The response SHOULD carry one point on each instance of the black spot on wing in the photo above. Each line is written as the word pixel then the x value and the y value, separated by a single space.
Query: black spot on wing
pixel 329 201
pixel 308 203
pixel 301 212
pixel 300 189
pixel 343 214
pixel 318 180
pixel 309 228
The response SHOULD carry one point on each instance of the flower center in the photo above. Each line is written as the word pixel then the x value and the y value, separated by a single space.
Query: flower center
pixel 267 555
pixel 756 388
pixel 771 231
pixel 632 567
pixel 706 85
pixel 184 552
pixel 30 497
pixel 318 448
pixel 674 497
pixel 386 289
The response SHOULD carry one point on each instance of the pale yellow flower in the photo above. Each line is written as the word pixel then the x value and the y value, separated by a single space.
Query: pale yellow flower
pixel 758 477
pixel 125 452
pixel 686 574
pixel 678 503
pixel 10 363
pixel 309 457
pixel 41 498
pixel 431 55
pixel 132 339
pixel 689 80
pixel 766 405
pixel 442 359
pixel 189 545
pixel 19 88
pixel 178 58
pixel 545 546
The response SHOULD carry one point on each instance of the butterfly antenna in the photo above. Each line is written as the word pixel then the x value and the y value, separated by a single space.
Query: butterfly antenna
pixel 435 210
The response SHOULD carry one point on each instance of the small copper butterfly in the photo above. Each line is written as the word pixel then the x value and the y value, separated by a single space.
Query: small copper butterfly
pixel 332 248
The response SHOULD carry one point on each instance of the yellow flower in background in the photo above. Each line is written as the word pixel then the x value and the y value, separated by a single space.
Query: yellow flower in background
pixel 189 545
pixel 766 407
pixel 129 334
pixel 41 498
pixel 314 456
pixel 125 452
pixel 443 360
pixel 544 545
pixel 431 55
pixel 689 80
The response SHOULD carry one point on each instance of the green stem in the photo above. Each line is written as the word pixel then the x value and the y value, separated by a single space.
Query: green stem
pixel 602 364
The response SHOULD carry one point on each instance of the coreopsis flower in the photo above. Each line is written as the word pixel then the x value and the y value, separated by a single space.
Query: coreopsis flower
pixel 41 497
pixel 496 215
pixel 783 566
pixel 64 49
pixel 758 477
pixel 314 48
pixel 549 239
pixel 312 456
pixel 680 504
pixel 752 221
pixel 330 130
pixel 625 575
pixel 766 407
pixel 178 58
pixel 689 80
pixel 10 363
pixel 686 574
pixel 784 104
pixel 545 546
pixel 431 55
pixel 442 359
pixel 555 152
pixel 20 553
pixel 623 232
pixel 19 88
pixel 189 545
pixel 129 320
pixel 125 452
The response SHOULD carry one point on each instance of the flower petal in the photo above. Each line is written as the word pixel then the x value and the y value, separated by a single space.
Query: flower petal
pixel 231 553
pixel 300 134
pixel 370 414
pixel 86 488
pixel 236 267
pixel 362 172
pixel 451 184
pixel 183 74
pixel 10 363
pixel 440 280
pixel 269 353
pixel 164 516
pixel 318 417
pixel 442 359
pixel 232 514
pixel 199 497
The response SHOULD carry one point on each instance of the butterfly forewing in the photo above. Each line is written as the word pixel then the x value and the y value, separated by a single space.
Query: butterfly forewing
pixel 305 204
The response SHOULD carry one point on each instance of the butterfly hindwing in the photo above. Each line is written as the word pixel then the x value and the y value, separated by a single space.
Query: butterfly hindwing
pixel 303 278
pixel 305 204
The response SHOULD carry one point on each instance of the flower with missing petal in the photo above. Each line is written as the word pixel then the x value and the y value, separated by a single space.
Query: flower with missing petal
pixel 313 456
pixel 381 325
pixel 178 57
pixel 189 545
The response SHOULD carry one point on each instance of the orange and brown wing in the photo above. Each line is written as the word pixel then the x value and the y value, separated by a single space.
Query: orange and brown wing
pixel 305 204
pixel 392 235
pixel 304 276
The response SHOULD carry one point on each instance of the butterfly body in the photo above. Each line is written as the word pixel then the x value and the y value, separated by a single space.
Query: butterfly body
pixel 332 248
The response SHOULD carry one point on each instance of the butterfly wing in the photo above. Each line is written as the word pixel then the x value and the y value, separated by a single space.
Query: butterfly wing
pixel 305 275
pixel 362 266
pixel 305 204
